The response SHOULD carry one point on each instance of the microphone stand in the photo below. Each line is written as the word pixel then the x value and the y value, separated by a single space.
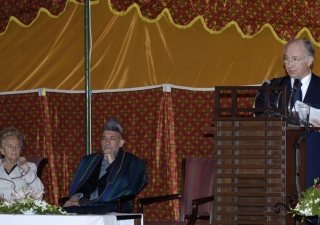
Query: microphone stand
pixel 293 92
pixel 278 93
pixel 254 102
pixel 297 158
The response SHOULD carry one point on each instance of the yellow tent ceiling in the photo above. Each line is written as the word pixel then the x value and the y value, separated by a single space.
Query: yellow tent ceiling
pixel 129 52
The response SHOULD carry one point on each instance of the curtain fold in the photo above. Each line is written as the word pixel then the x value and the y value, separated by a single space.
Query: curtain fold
pixel 160 127
pixel 26 12
pixel 137 55
pixel 286 19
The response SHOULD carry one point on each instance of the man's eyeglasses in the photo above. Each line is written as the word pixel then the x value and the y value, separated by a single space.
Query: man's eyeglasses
pixel 295 61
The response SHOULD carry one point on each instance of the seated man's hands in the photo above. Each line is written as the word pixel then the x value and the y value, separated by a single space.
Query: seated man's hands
pixel 85 201
pixel 73 201
pixel 109 154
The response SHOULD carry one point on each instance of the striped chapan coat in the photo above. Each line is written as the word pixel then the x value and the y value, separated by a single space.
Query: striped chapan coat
pixel 127 176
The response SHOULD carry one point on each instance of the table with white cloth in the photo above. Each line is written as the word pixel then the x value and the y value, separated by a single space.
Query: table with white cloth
pixel 106 219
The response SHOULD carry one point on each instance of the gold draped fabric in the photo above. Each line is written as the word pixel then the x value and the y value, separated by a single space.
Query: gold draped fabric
pixel 128 52
pixel 285 18
pixel 203 44
pixel 25 12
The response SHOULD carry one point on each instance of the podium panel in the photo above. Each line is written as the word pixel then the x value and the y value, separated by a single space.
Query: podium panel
pixel 250 170
pixel 257 162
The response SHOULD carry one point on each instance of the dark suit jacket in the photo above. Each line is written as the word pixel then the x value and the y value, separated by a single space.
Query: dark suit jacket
pixel 312 95
pixel 313 140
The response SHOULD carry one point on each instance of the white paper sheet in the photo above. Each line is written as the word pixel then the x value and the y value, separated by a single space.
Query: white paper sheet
pixel 314 113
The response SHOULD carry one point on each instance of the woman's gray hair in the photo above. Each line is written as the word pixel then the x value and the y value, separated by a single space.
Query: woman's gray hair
pixel 12 132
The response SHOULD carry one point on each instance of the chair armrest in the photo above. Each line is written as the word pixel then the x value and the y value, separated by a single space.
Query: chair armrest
pixel 200 201
pixel 146 201
pixel 117 201
pixel 63 200
pixel 195 204
pixel 123 199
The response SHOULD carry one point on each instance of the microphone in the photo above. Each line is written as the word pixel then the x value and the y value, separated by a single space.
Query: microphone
pixel 296 82
pixel 294 88
pixel 278 93
pixel 273 81
pixel 265 83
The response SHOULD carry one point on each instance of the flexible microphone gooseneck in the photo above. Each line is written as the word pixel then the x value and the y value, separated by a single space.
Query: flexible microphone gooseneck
pixel 273 81
pixel 278 93
pixel 296 82
pixel 265 83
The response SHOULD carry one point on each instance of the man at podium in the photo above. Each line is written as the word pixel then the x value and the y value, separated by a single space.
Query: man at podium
pixel 298 59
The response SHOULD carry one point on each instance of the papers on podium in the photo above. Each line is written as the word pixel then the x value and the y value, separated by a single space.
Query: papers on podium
pixel 314 113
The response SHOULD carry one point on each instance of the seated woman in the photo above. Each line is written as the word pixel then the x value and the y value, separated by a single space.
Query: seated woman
pixel 15 171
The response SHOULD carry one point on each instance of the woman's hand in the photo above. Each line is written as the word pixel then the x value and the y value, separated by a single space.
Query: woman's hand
pixel 22 163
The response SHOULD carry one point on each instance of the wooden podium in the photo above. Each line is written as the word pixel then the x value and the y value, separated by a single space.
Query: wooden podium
pixel 255 163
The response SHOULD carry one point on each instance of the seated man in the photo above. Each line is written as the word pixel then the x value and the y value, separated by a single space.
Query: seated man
pixel 103 177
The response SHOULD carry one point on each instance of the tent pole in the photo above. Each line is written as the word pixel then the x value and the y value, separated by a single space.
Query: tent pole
pixel 87 41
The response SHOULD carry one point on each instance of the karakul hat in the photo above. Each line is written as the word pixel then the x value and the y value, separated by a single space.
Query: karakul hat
pixel 113 125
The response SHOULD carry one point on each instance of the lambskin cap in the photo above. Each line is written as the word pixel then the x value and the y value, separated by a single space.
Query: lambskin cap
pixel 113 125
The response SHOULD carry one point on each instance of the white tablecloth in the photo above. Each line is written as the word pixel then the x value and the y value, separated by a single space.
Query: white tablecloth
pixel 109 219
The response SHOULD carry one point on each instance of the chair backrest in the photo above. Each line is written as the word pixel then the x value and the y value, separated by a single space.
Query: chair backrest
pixel 197 182
pixel 40 163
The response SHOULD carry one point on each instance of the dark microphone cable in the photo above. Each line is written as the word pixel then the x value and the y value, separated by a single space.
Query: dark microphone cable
pixel 296 120
pixel 274 93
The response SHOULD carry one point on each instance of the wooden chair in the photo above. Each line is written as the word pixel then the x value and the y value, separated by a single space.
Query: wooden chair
pixel 196 193
pixel 40 163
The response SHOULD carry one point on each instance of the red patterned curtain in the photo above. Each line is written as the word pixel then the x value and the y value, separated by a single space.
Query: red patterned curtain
pixel 286 19
pixel 24 12
pixel 161 127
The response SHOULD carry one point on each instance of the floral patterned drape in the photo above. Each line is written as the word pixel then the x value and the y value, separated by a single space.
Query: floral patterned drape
pixel 160 127
pixel 286 19
pixel 24 12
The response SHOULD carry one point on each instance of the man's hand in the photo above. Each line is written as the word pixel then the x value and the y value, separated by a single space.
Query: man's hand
pixel 73 201
pixel 22 163
pixel 109 154
pixel 315 122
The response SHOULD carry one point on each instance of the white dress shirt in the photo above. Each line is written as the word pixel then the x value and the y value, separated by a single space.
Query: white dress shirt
pixel 305 84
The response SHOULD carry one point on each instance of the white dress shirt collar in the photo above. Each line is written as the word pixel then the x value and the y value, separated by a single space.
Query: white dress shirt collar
pixel 305 84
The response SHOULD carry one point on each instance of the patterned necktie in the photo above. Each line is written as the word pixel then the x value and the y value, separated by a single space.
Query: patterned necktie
pixel 298 95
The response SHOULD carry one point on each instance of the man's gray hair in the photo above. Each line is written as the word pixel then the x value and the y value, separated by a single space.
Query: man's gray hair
pixel 307 45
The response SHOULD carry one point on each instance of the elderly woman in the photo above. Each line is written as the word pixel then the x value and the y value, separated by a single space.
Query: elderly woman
pixel 15 171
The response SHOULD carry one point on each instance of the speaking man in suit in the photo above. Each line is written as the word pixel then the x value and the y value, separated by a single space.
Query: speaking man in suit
pixel 298 59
